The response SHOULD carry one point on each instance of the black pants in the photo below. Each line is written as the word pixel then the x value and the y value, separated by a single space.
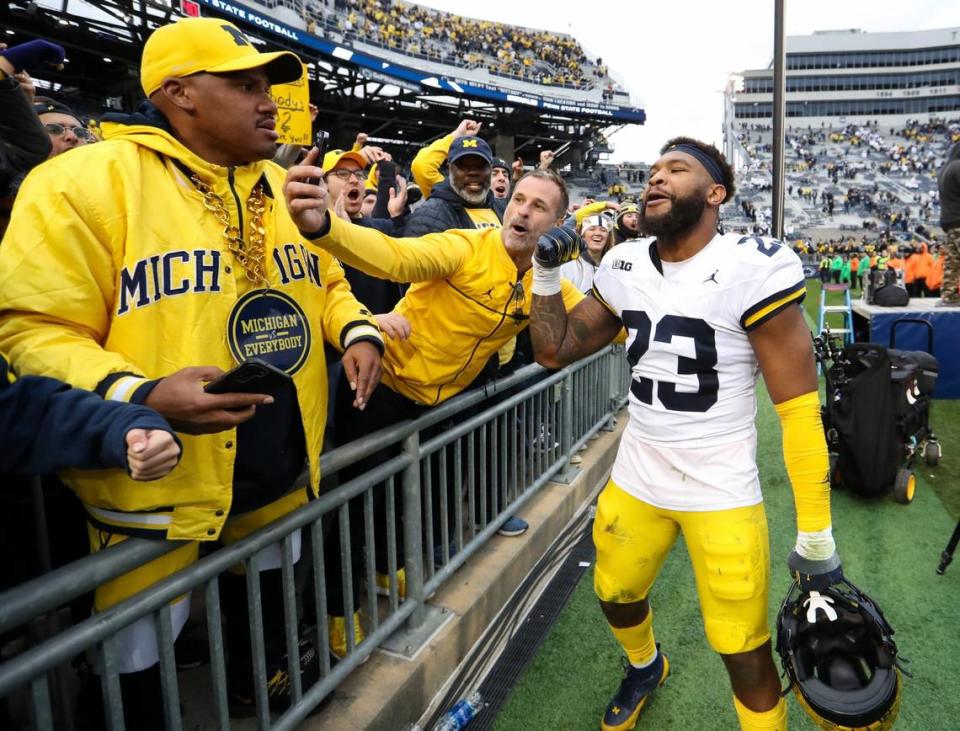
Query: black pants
pixel 384 408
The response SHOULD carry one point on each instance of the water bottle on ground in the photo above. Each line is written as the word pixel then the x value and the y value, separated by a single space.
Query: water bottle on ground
pixel 461 714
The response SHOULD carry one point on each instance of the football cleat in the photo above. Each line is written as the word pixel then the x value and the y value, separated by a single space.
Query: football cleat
pixel 635 688
pixel 240 696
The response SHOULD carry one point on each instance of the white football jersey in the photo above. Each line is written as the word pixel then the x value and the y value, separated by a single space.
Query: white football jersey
pixel 692 397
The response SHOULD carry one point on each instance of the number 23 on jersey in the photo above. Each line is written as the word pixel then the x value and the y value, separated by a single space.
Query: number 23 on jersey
pixel 703 365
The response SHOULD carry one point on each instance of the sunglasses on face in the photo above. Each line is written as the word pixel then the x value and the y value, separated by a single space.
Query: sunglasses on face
pixel 58 130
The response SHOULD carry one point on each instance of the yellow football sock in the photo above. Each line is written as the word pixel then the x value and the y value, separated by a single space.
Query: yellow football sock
pixel 773 720
pixel 638 641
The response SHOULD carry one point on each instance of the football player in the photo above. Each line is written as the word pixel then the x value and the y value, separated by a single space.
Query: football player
pixel 703 311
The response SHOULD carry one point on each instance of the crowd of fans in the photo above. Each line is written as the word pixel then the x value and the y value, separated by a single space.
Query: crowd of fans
pixel 542 57
pixel 458 190
pixel 857 176
pixel 456 183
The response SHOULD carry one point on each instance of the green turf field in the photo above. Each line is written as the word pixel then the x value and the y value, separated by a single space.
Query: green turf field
pixel 890 551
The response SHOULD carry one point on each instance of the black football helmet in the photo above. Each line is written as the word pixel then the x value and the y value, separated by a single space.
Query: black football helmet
pixel 838 652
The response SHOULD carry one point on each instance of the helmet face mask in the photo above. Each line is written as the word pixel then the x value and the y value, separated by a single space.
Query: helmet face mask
pixel 837 649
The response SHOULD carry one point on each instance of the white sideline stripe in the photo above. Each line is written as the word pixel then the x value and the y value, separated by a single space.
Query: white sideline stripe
pixel 112 516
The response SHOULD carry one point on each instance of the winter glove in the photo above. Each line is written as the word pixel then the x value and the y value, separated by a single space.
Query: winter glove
pixel 557 246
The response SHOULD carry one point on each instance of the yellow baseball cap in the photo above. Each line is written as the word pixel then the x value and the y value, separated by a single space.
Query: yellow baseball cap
pixel 333 158
pixel 192 45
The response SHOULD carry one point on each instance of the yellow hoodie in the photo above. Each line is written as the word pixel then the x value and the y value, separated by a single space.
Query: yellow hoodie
pixel 113 272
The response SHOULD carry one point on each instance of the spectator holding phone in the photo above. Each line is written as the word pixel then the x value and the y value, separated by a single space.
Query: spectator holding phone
pixel 174 261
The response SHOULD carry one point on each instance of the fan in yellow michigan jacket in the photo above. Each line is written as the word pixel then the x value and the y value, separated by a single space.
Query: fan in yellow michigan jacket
pixel 142 266
pixel 470 291
pixel 469 297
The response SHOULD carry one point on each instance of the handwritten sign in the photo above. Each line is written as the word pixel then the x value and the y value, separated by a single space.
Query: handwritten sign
pixel 293 111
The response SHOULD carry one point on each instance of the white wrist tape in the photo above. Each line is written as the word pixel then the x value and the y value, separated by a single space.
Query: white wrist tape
pixel 546 280
pixel 816 546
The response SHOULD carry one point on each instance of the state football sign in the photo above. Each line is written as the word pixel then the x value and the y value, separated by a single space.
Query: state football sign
pixel 293 111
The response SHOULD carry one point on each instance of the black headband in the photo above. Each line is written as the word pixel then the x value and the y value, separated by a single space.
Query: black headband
pixel 708 162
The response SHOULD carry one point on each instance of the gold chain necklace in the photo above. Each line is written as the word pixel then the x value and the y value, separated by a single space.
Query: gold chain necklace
pixel 250 256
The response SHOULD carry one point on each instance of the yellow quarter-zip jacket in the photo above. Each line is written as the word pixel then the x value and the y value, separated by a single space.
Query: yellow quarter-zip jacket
pixel 467 301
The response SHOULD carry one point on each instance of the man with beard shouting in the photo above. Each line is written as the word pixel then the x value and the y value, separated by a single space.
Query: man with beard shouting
pixel 702 311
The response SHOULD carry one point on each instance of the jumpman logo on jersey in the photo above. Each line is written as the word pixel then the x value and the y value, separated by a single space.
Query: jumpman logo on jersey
pixel 712 277
pixel 489 293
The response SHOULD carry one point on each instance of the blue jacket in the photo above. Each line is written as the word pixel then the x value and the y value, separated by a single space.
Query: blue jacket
pixel 46 426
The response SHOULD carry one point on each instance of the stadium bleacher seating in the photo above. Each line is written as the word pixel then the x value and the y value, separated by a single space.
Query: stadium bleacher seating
pixel 507 51
pixel 851 178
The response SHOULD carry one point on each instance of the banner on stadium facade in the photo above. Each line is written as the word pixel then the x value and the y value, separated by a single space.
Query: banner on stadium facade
pixel 293 111
pixel 404 76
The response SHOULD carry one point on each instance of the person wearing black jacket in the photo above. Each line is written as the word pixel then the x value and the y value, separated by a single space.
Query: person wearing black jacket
pixel 464 200
pixel 344 176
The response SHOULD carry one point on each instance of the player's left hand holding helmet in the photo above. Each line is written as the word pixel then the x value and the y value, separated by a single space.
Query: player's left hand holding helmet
pixel 815 575
pixel 837 650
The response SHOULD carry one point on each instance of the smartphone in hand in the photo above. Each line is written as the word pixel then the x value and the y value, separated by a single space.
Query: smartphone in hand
pixel 253 376
pixel 320 141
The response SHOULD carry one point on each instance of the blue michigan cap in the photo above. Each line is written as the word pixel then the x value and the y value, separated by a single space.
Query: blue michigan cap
pixel 463 146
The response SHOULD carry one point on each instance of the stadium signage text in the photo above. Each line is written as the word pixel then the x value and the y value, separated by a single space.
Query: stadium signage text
pixel 251 17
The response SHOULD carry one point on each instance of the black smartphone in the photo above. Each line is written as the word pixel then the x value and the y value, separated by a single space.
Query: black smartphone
pixel 321 141
pixel 387 170
pixel 253 376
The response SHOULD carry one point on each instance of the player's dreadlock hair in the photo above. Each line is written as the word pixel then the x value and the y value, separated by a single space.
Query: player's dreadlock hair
pixel 711 152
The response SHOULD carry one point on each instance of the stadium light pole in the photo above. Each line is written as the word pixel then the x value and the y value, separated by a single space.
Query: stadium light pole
pixel 779 112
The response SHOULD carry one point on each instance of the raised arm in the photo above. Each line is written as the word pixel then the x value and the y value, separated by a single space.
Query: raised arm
pixel 560 338
pixel 401 260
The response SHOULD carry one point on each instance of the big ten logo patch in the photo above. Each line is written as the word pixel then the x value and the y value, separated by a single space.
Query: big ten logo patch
pixel 269 325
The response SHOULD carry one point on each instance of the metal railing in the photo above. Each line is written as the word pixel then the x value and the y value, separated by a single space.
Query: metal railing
pixel 462 470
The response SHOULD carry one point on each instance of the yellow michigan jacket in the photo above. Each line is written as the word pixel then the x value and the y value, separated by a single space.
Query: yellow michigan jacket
pixel 466 302
pixel 113 273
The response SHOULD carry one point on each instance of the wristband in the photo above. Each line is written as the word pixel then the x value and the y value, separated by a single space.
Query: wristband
pixel 817 545
pixel 546 280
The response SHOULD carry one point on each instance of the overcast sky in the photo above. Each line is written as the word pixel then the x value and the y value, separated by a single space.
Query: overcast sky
pixel 676 55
